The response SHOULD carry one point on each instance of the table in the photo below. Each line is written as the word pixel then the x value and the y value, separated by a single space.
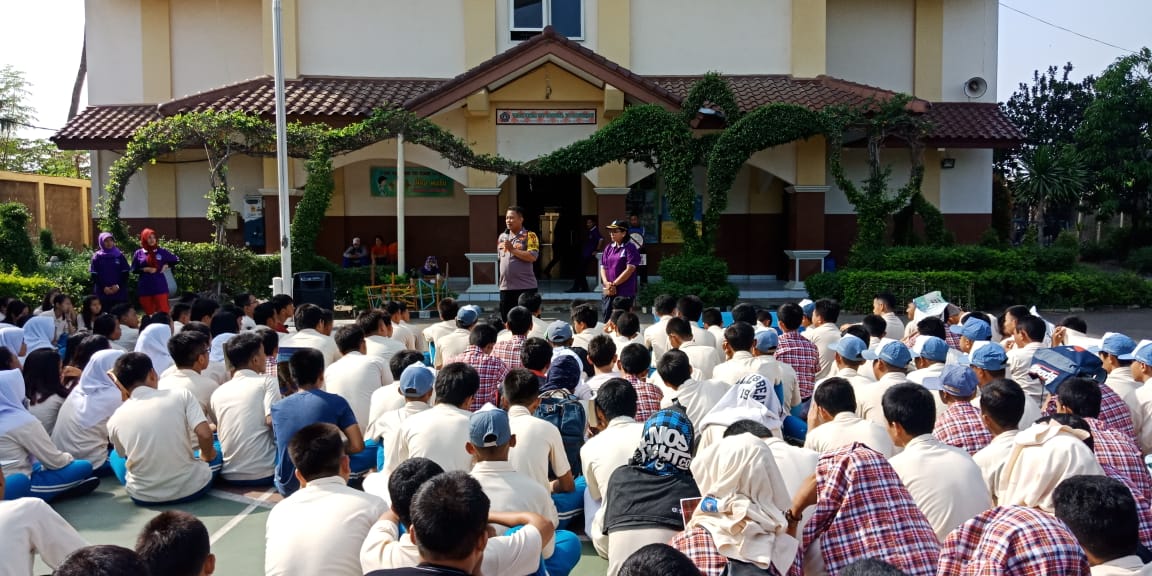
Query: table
pixel 798 256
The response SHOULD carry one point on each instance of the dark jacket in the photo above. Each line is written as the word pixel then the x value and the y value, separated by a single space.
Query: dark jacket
pixel 638 499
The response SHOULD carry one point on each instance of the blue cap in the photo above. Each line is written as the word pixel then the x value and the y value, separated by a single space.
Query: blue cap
pixel 488 427
pixel 1143 353
pixel 931 348
pixel 1055 365
pixel 893 353
pixel 807 307
pixel 468 315
pixel 973 329
pixel 1117 345
pixel 849 348
pixel 416 380
pixel 990 356
pixel 767 340
pixel 955 379
pixel 558 332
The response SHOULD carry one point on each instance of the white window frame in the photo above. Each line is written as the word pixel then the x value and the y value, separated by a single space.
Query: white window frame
pixel 547 9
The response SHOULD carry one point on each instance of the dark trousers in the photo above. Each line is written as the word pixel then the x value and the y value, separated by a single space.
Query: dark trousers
pixel 580 281
pixel 509 298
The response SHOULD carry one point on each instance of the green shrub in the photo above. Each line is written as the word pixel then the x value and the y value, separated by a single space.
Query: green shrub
pixel 15 245
pixel 1093 251
pixel 965 259
pixel 824 285
pixel 205 267
pixel 704 276
pixel 1140 260
pixel 30 288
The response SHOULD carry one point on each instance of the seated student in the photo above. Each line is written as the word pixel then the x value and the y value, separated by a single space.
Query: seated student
pixel 390 397
pixel 536 357
pixel 45 391
pixel 696 397
pixel 489 440
pixel 313 330
pixel 285 309
pixel 703 357
pixel 634 363
pixel 189 353
pixel 613 443
pixel 739 340
pixel 103 560
pixel 440 433
pixel 24 441
pixel 82 426
pixel 1102 515
pixel 508 348
pixel 30 527
pixel 320 527
pixel 751 399
pixel 584 318
pixel 379 336
pixel 833 423
pixel 243 409
pixel 643 504
pixel 1042 456
pixel 153 341
pixel 384 548
pixel 784 375
pixel 263 315
pixel 203 309
pixel 108 326
pixel 176 543
pixel 311 405
pixel 942 479
pixel 796 463
pixel 658 560
pixel 1012 540
pixel 416 386
pixel 455 342
pixel 628 331
pixel 129 325
pixel 540 448
pixel 602 356
pixel 356 376
pixel 960 426
pixel 182 314
pixel 446 309
pixel 1001 406
pixel 152 431
pixel 890 366
pixel 271 350
pixel 478 354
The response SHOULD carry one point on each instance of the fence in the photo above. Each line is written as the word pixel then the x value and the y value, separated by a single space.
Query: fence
pixel 62 205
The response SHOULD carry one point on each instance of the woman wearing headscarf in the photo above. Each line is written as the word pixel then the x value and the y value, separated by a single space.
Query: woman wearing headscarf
pixel 1012 541
pixel 643 502
pixel 39 332
pixel 109 272
pixel 752 398
pixel 82 426
pixel 153 341
pixel 149 262
pixel 25 448
pixel 862 511
pixel 12 338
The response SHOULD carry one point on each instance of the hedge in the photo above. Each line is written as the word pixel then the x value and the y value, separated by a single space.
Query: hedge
pixel 28 288
pixel 992 289
pixel 704 276
pixel 1056 258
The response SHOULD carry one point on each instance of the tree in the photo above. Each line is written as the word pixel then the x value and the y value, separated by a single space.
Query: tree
pixel 30 155
pixel 1051 176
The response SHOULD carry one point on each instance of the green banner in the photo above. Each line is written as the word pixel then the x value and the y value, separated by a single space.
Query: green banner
pixel 418 183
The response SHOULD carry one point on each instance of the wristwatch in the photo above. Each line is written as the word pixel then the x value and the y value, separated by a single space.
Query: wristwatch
pixel 792 518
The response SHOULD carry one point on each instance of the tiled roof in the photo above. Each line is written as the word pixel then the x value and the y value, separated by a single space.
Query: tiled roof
pixel 753 91
pixel 972 123
pixel 307 96
pixel 105 124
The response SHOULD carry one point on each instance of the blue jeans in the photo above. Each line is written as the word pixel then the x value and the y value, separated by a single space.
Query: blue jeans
pixel 119 466
pixel 17 486
pixel 48 484
pixel 565 555
pixel 365 460
pixel 570 504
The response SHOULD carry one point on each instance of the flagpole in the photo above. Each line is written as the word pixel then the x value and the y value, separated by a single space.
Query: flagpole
pixel 281 149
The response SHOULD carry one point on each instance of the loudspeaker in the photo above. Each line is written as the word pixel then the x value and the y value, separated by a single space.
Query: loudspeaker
pixel 975 87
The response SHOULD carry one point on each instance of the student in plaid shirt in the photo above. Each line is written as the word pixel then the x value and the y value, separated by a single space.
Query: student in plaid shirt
pixel 519 324
pixel 1053 365
pixel 1101 514
pixel 634 362
pixel 1013 540
pixel 491 369
pixel 960 426
pixel 863 510
pixel 796 350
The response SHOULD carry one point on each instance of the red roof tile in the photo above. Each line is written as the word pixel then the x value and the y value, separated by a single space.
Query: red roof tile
pixel 307 96
pixel 972 124
pixel 109 124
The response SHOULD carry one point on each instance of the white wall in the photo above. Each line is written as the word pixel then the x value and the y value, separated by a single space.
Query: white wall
pixel 115 65
pixel 856 169
pixel 245 176
pixel 504 37
pixel 526 143
pixel 401 38
pixel 214 44
pixel 873 42
pixel 967 188
pixel 731 36
pixel 358 199
pixel 135 204
pixel 970 47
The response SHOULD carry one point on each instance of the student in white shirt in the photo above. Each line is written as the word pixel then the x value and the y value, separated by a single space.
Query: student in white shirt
pixel 796 464
pixel 356 376
pixel 739 340
pixel 176 543
pixel 31 527
pixel 379 335
pixel 1102 514
pixel 319 528
pixel 243 409
pixel 848 360
pixel 539 447
pixel 702 356
pixel 824 333
pixel 890 366
pixel 152 431
pixel 1028 338
pixel 189 352
pixel 454 343
pixel 584 318
pixel 313 330
pixel 943 480
pixel 129 325
pixel 690 308
pixel 401 332
pixel 714 324
pixel 440 433
pixel 385 547
pixel 246 303
pixel 833 422
pixel 1115 354
pixel 765 351
pixel 416 384
pixel 82 426
pixel 655 336
pixel 611 446
pixel 884 305
pixel 1001 407
pixel 972 332
pixel 627 331
pixel 697 397
pixel 390 397
pixel 489 440
pixel 602 356
pixel 989 363
pixel 448 308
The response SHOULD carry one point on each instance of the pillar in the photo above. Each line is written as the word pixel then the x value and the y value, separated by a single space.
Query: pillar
pixel 483 230
pixel 929 46
pixel 806 216
pixel 809 38
pixel 611 204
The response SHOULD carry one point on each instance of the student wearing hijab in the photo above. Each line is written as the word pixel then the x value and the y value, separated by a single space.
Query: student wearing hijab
pixel 149 262
pixel 751 399
pixel 23 440
pixel 12 338
pixel 109 272
pixel 82 426
pixel 1012 540
pixel 860 506
pixel 644 497
pixel 38 333
pixel 153 342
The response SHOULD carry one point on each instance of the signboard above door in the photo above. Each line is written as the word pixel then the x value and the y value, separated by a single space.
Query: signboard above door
pixel 522 117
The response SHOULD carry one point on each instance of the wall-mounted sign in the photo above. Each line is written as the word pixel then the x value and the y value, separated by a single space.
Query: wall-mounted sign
pixel 546 117
pixel 418 183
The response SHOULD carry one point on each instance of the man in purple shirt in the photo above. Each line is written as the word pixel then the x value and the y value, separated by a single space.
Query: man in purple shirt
pixel 618 267
pixel 518 249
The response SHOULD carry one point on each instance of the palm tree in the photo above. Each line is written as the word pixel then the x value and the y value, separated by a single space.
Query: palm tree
pixel 1052 176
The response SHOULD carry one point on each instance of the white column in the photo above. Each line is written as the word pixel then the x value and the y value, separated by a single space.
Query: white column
pixel 400 182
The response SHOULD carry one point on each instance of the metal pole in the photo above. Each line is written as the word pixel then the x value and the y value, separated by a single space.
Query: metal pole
pixel 281 149
pixel 400 182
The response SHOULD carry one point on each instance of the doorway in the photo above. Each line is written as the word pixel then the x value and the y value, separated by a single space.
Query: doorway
pixel 552 209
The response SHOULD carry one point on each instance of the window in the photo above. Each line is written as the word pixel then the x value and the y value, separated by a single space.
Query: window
pixel 529 17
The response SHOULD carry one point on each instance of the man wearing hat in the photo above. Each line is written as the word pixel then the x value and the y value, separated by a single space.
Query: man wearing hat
pixel 618 267
pixel 847 361
pixel 960 426
pixel 972 332
pixel 416 386
pixel 890 366
pixel 990 364
pixel 518 250
pixel 1115 352
pixel 929 354
pixel 489 441
pixel 1142 373
pixel 455 342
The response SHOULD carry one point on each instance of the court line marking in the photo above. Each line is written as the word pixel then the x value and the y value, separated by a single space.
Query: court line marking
pixel 261 502
pixel 254 503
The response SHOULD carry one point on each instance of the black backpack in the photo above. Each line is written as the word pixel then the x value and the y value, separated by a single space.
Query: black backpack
pixel 739 568
pixel 566 413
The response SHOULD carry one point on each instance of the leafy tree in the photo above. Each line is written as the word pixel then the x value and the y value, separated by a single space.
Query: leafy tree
pixel 30 155
pixel 15 245
pixel 1051 176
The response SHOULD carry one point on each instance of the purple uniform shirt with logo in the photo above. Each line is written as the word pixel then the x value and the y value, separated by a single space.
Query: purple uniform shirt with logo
pixel 615 260
pixel 517 274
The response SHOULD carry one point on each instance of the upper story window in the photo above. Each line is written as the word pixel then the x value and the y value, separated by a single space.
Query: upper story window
pixel 529 17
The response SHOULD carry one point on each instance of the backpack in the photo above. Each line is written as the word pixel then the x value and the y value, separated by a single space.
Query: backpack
pixel 738 568
pixel 566 413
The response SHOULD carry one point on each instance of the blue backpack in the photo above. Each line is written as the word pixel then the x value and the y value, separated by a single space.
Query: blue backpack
pixel 566 413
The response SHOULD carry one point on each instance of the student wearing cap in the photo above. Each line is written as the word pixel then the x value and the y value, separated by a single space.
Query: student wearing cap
pixel 972 332
pixel 702 356
pixel 1001 408
pixel 1115 353
pixel 454 343
pixel 961 425
pixel 618 265
pixel 767 343
pixel 1141 373
pixel 847 360
pixel 875 328
pixel 1053 365
pixel 416 387
pixel 489 440
pixel 612 443
pixel 824 333
pixel 929 355
pixel 491 369
pixel 942 479
pixel 1027 339
pixel 518 250
pixel 440 433
pixel 933 326
pixel 796 351
pixel 890 367
pixel 696 397
pixel 833 423
pixel 243 409
pixel 884 305
pixel 990 363
pixel 1104 517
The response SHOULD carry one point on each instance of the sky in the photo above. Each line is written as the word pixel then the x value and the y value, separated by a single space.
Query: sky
pixel 1025 44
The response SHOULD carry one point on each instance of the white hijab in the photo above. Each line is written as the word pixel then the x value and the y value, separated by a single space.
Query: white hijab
pixel 752 398
pixel 744 512
pixel 153 341
pixel 38 333
pixel 13 414
pixel 1043 455
pixel 216 356
pixel 12 338
pixel 96 396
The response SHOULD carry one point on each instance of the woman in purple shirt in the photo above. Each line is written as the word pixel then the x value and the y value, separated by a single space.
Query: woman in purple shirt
pixel 149 262
pixel 109 270
pixel 618 267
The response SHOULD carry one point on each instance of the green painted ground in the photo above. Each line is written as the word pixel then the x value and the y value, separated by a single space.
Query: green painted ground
pixel 109 517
